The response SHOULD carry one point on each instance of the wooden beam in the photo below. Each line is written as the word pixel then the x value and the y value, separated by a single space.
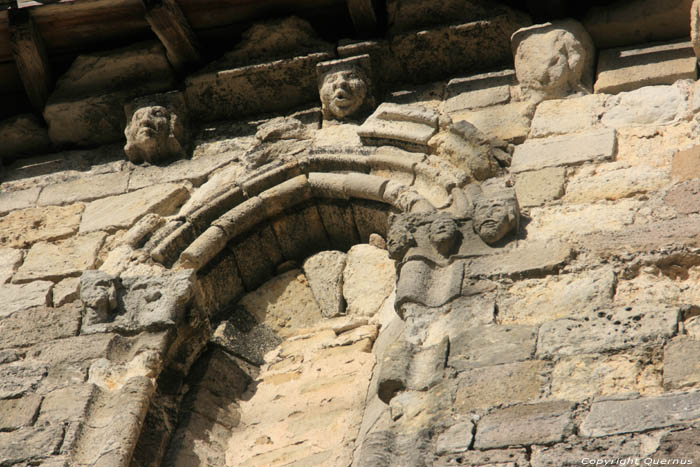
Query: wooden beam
pixel 363 16
pixel 173 30
pixel 29 54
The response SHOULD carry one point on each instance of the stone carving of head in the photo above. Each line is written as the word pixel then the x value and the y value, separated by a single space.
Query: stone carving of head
pixel 154 133
pixel 343 92
pixel 444 235
pixel 495 217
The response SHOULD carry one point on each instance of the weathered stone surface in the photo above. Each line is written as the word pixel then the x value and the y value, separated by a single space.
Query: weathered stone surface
pixel 426 284
pixel 10 259
pixel 17 297
pixel 579 377
pixel 30 444
pixel 66 291
pixel 614 182
pixel 457 438
pixel 650 105
pixel 561 116
pixel 576 451
pixel 22 228
pixel 492 345
pixel 541 423
pixel 284 303
pixel 612 329
pixel 684 197
pixel 406 126
pixel 468 149
pixel 324 272
pixel 625 69
pixel 23 134
pixel 609 417
pixel 21 199
pixel 18 378
pixel 86 107
pixel 686 164
pixel 592 146
pixel 84 189
pixel 39 324
pixel 476 307
pixel 540 186
pixel 509 122
pixel 257 257
pixel 681 363
pixel 300 233
pixel 482 90
pixel 243 337
pixel 364 298
pixel 680 444
pixel 553 59
pixel 122 211
pixel 638 21
pixel 536 301
pixel 16 413
pixel 69 404
pixel 532 259
pixel 54 261
pixel 517 382
pixel 219 283
pixel 491 457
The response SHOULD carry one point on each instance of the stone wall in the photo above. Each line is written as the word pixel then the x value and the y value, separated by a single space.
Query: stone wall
pixel 224 308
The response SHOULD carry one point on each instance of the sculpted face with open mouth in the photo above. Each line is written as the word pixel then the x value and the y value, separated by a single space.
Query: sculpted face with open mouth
pixel 343 92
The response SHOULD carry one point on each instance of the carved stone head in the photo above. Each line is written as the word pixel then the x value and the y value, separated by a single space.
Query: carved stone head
pixel 444 235
pixel 344 87
pixel 154 133
pixel 495 217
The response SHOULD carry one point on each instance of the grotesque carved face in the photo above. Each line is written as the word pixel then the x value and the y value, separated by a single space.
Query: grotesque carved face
pixel 494 218
pixel 444 235
pixel 343 92
pixel 153 134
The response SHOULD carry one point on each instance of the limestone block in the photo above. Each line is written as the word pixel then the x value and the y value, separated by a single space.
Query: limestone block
pixel 370 217
pixel 339 222
pixel 10 259
pixel 684 197
pixel 23 134
pixel 540 186
pixel 615 183
pixel 679 444
pixel 518 382
pixel 591 146
pixel 219 182
pixel 428 55
pixel 24 227
pixel 502 457
pixel 686 164
pixel 39 324
pixel 16 413
pixel 66 291
pixel 561 116
pixel 650 105
pixel 637 22
pixel 85 189
pixel 257 257
pixel 30 443
pixel 18 378
pixel 553 59
pixel 541 423
pixel 681 363
pixel 534 258
pixel 409 127
pixel 365 298
pixel 219 283
pixel 300 233
pixel 272 303
pixel 579 377
pixel 69 404
pixel 54 261
pixel 122 211
pixel 508 122
pixel 570 454
pixel 492 344
pixel 426 284
pixel 629 68
pixel 457 438
pixel 325 274
pixel 468 149
pixel 609 417
pixel 245 338
pixel 20 199
pixel 481 90
pixel 17 297
pixel 611 329
pixel 86 107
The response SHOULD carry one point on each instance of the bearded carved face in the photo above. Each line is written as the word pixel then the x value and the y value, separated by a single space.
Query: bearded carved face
pixel 343 92
pixel 494 218
pixel 153 134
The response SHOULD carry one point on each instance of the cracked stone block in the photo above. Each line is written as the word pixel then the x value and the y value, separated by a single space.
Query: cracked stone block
pixel 10 259
pixel 628 68
pixel 18 378
pixel 407 126
pixel 457 438
pixel 300 233
pixel 69 404
pixel 20 199
pixel 492 344
pixel 364 298
pixel 39 324
pixel 540 186
pixel 122 211
pixel 493 457
pixel 681 363
pixel 610 329
pixel 257 256
pixel 482 90
pixel 568 150
pixel 541 423
pixel 66 291
pixel 571 452
pixel 509 122
pixel 536 258
pixel 55 261
pixel 30 443
pixel 562 116
pixel 16 413
pixel 84 189
pixel 18 297
pixel 23 227
pixel 325 274
pixel 609 417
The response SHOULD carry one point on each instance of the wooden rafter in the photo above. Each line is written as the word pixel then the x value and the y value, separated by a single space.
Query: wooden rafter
pixel 29 54
pixel 173 30
pixel 363 16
